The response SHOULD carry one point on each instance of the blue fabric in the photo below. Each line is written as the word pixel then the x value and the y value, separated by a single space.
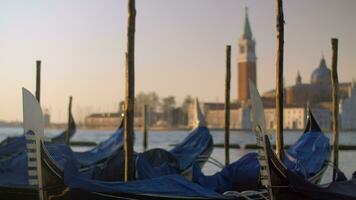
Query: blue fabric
pixel 103 150
pixel 13 170
pixel 144 170
pixel 306 157
pixel 192 147
pixel 173 185
pixel 12 145
pixel 186 152
pixel 240 175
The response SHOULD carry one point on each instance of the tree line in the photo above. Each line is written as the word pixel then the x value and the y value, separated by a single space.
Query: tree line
pixel 166 106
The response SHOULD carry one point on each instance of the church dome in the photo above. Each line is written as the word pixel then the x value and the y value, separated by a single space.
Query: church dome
pixel 321 75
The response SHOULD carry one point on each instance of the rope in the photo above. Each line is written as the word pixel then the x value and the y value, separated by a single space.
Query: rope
pixel 248 195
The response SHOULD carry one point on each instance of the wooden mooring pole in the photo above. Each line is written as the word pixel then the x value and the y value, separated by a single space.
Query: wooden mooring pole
pixel 130 91
pixel 335 100
pixel 69 120
pixel 279 80
pixel 144 128
pixel 38 80
pixel 227 104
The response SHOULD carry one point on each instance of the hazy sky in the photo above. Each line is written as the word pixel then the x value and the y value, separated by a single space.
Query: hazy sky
pixel 180 48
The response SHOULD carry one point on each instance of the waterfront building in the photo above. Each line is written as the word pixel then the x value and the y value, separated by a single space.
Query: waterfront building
pixel 295 118
pixel 316 94
pixel 246 61
pixel 47 118
pixel 348 109
pixel 103 120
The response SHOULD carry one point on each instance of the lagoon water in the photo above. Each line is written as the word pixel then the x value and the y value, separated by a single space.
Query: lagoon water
pixel 164 139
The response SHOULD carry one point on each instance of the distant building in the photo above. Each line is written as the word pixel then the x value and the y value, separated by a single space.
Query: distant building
pixel 103 120
pixel 317 92
pixel 246 62
pixel 241 118
pixel 348 109
pixel 296 97
pixel 47 118
pixel 215 114
pixel 295 117
pixel 97 120
pixel 177 117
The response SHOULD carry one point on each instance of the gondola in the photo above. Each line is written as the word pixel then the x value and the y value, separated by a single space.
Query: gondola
pixel 79 185
pixel 195 148
pixel 72 128
pixel 287 184
pixel 341 190
pixel 55 160
pixel 13 169
pixel 15 175
pixel 25 186
pixel 302 157
pixel 17 144
pixel 308 157
pixel 101 152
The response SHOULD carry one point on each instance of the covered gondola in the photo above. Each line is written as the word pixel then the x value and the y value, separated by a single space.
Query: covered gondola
pixel 58 163
pixel 288 184
pixel 17 144
pixel 241 175
pixel 103 150
pixel 26 185
pixel 195 148
pixel 72 128
pixel 307 157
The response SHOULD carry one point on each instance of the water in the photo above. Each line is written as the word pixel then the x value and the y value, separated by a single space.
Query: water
pixel 164 139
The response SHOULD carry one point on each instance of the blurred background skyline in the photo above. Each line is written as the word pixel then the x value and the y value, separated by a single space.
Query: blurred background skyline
pixel 180 48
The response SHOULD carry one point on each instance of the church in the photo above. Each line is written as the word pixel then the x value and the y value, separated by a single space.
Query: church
pixel 316 95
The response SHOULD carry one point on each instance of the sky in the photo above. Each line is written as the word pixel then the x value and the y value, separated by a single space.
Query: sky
pixel 180 48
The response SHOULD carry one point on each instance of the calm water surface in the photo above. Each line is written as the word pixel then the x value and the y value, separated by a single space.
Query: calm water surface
pixel 164 139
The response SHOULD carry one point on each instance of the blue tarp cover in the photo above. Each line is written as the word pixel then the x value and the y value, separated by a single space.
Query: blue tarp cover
pixel 170 185
pixel 340 190
pixel 147 170
pixel 242 174
pixel 192 146
pixel 103 150
pixel 13 170
pixel 12 145
pixel 306 157
pixel 185 153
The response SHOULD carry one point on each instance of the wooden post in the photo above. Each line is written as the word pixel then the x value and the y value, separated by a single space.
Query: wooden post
pixel 144 128
pixel 279 80
pixel 130 91
pixel 38 80
pixel 227 104
pixel 335 98
pixel 69 120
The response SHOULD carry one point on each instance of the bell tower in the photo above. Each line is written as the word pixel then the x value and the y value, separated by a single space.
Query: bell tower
pixel 246 61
